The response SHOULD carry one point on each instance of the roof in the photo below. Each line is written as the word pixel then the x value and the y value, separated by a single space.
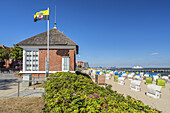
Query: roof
pixel 56 38
pixel 5 47
pixel 79 61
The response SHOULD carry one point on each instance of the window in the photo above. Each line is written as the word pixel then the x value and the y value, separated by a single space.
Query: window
pixel 65 63
pixel 31 60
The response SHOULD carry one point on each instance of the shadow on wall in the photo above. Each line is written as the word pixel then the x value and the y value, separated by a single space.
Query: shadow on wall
pixel 63 52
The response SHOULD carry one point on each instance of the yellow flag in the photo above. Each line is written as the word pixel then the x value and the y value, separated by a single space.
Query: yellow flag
pixel 41 15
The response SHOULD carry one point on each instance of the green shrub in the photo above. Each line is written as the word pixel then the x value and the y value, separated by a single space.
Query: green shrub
pixel 78 69
pixel 19 74
pixel 82 95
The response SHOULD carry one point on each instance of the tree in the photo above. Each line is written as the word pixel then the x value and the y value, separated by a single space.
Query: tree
pixel 16 52
pixel 4 54
pixel 79 66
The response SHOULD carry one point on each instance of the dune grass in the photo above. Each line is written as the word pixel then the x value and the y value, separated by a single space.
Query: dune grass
pixel 21 105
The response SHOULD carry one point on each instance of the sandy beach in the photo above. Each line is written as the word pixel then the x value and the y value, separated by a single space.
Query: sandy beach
pixel 162 104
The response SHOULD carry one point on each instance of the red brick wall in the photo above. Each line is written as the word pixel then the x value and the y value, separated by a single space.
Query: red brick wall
pixel 72 60
pixel 34 75
pixel 55 56
pixel 40 75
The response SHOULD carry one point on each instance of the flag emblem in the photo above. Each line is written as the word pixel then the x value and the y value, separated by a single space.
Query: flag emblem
pixel 41 15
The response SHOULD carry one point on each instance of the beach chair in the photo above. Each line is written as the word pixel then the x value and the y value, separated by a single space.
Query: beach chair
pixel 101 73
pixel 155 78
pixel 130 76
pixel 100 79
pixel 146 75
pixel 133 74
pixel 88 72
pixel 91 71
pixel 153 91
pixel 137 73
pixel 116 73
pixel 111 74
pixel 121 80
pixel 93 74
pixel 166 78
pixel 135 85
pixel 124 75
pixel 152 75
pixel 137 77
pixel 142 74
pixel 160 82
pixel 148 80
pixel 116 78
pixel 104 71
pixel 120 74
pixel 97 72
pixel 108 76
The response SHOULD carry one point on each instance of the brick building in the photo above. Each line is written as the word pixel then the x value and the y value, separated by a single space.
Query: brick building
pixel 61 54
pixel 82 64
pixel 79 63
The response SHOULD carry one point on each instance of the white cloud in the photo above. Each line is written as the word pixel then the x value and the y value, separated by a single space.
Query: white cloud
pixel 154 53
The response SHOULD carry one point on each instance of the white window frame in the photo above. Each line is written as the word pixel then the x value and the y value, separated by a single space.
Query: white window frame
pixel 25 60
pixel 68 64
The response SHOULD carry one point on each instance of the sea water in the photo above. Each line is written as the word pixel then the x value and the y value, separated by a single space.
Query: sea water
pixel 140 70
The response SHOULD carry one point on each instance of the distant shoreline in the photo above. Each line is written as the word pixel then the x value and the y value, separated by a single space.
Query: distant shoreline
pixel 162 71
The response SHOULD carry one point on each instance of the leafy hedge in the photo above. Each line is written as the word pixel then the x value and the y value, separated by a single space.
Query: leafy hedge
pixel 81 95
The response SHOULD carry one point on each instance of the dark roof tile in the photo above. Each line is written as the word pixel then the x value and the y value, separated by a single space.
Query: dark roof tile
pixel 56 38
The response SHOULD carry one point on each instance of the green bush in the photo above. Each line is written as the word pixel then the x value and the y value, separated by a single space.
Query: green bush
pixel 19 74
pixel 82 95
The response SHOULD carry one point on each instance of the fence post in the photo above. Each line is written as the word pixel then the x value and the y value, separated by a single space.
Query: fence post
pixel 34 83
pixel 18 87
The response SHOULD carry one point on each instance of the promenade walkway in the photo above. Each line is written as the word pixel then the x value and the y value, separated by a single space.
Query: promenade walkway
pixel 9 87
pixel 8 84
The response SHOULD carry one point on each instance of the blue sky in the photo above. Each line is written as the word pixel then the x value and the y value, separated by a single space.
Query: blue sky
pixel 109 32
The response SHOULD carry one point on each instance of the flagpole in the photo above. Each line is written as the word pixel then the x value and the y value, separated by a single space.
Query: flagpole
pixel 47 71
